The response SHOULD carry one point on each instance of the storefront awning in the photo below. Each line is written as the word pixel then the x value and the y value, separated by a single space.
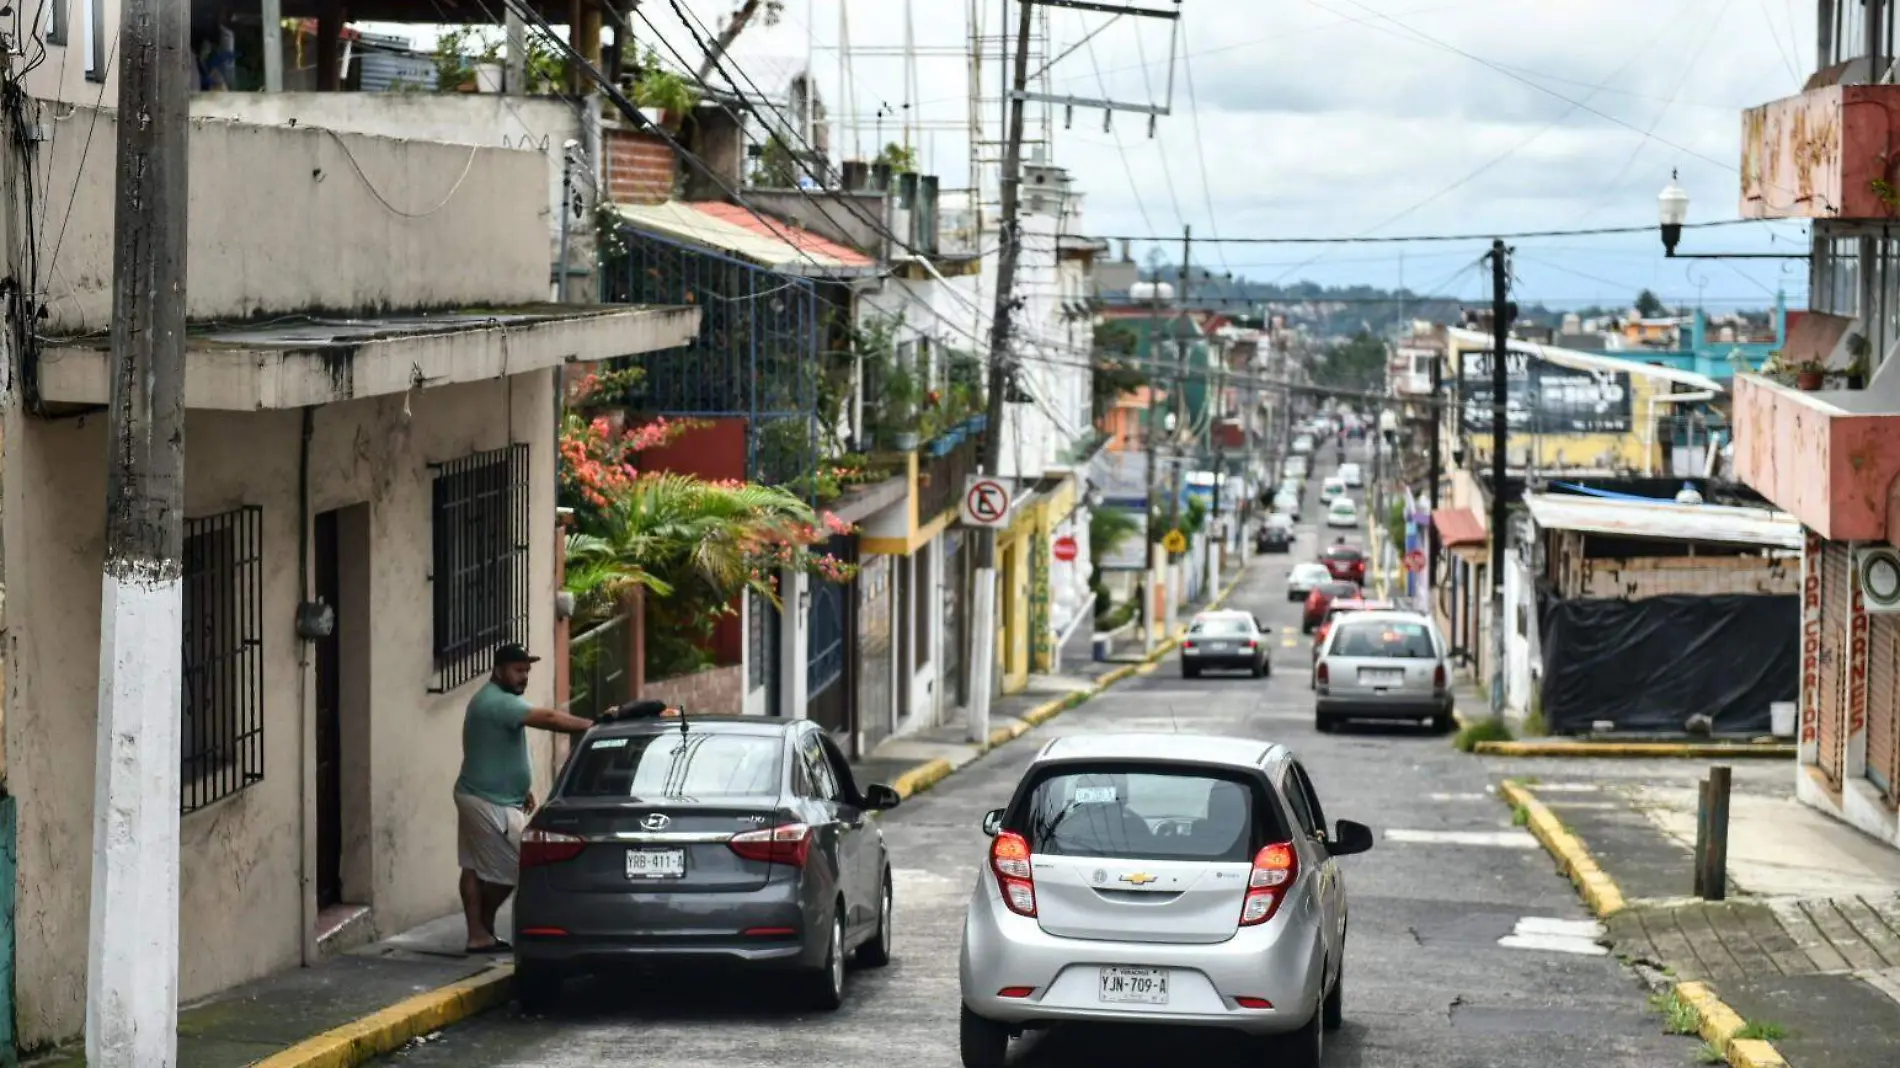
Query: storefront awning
pixel 1458 526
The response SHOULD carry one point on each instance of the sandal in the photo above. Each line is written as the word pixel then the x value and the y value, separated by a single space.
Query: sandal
pixel 499 946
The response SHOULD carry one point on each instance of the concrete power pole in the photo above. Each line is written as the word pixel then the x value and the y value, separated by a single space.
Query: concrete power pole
pixel 1501 315
pixel 132 948
pixel 983 657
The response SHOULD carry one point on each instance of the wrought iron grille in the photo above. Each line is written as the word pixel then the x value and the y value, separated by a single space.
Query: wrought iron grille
pixel 824 660
pixel 221 736
pixel 480 529
pixel 597 668
pixel 756 354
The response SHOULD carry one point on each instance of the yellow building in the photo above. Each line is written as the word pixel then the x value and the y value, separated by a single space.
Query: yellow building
pixel 1025 640
pixel 1571 412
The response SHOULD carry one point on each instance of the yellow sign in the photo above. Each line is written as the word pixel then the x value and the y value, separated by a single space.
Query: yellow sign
pixel 1175 542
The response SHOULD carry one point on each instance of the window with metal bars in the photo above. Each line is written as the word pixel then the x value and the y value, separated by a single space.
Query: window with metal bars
pixel 479 528
pixel 221 732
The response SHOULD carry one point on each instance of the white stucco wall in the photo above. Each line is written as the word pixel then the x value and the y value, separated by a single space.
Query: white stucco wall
pixel 244 909
pixel 281 222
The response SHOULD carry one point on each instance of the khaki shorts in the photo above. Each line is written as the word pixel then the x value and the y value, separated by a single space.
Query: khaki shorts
pixel 488 839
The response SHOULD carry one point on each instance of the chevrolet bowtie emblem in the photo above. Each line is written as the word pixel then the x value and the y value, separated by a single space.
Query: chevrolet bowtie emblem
pixel 1138 879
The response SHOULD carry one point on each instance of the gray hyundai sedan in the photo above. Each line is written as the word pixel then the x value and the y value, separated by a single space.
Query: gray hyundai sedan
pixel 722 841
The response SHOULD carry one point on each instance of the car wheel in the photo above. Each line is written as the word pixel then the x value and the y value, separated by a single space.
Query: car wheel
pixel 824 986
pixel 1253 670
pixel 1305 627
pixel 538 986
pixel 1332 1011
pixel 1444 723
pixel 984 1043
pixel 1303 1048
pixel 877 952
pixel 1322 723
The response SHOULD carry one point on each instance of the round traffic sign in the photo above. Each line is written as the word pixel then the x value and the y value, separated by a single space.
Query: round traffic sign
pixel 1415 560
pixel 1064 548
pixel 987 501
pixel 1175 542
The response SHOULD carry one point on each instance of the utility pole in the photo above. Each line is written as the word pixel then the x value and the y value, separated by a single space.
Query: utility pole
pixel 1501 314
pixel 1180 379
pixel 1150 621
pixel 132 948
pixel 983 657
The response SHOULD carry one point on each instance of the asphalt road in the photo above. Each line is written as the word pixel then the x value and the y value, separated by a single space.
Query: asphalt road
pixel 1428 984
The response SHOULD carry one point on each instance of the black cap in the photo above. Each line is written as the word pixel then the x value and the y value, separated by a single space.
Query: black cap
pixel 513 653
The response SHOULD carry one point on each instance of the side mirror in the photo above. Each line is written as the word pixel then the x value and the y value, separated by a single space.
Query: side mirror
pixel 993 822
pixel 1350 838
pixel 879 797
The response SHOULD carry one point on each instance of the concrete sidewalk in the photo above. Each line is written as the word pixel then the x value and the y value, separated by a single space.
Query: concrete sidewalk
pixel 1806 948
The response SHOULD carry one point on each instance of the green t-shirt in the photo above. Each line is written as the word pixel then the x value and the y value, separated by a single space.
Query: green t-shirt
pixel 495 748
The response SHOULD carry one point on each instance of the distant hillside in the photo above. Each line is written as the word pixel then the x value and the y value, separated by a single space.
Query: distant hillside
pixel 1331 310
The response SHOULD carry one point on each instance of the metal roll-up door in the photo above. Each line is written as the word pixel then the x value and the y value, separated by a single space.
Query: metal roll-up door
pixel 1837 578
pixel 1883 703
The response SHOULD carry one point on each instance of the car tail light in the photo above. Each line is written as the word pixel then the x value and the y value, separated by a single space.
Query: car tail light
pixel 1274 869
pixel 548 847
pixel 1438 677
pixel 1251 644
pixel 1009 858
pixel 1321 675
pixel 788 843
pixel 1187 644
pixel 1253 1003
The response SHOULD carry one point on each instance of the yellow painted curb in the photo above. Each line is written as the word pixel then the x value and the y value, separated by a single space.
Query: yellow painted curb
pixel 385 1031
pixel 1598 890
pixel 1114 677
pixel 1690 750
pixel 922 777
pixel 1716 1022
pixel 1045 712
pixel 1754 1053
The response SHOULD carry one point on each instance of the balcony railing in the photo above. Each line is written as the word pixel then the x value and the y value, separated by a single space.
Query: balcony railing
pixel 1830 458
pixel 941 474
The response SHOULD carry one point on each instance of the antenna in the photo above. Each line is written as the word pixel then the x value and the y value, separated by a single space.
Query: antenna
pixel 682 709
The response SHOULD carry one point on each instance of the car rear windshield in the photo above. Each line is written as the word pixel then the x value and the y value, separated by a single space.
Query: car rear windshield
pixel 1142 811
pixel 1343 552
pixel 1222 627
pixel 1338 589
pixel 696 764
pixel 1384 638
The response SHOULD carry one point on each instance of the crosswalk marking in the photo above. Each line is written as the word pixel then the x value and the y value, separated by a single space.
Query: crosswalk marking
pixel 1516 838
pixel 1556 936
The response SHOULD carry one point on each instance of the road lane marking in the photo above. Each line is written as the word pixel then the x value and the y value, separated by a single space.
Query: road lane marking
pixel 1512 839
pixel 1567 787
pixel 1459 797
pixel 1556 936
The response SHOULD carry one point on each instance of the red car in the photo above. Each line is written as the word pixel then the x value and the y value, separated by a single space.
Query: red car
pixel 1322 598
pixel 1346 562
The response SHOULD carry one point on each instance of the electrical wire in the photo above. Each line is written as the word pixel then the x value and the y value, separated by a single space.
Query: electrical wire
pixel 467 165
pixel 1200 151
pixel 1364 239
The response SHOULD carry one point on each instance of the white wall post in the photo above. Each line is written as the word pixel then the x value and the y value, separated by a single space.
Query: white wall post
pixel 794 643
pixel 983 651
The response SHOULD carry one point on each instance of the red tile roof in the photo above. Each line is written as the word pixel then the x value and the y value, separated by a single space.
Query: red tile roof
pixel 1458 526
pixel 801 239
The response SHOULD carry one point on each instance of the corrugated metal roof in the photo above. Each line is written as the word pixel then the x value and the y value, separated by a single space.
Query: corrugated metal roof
pixel 1473 341
pixel 1666 521
pixel 777 245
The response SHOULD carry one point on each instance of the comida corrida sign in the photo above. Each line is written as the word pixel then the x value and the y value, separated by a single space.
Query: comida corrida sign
pixel 1543 397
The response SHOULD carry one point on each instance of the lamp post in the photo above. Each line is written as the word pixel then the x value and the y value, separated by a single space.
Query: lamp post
pixel 1672 209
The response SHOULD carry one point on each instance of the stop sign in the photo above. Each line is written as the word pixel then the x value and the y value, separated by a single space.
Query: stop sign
pixel 1064 548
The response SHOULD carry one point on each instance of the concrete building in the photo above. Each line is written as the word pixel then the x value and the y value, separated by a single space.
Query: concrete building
pixel 371 383
pixel 1830 455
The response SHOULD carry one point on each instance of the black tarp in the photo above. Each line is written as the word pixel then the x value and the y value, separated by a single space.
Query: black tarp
pixel 1649 665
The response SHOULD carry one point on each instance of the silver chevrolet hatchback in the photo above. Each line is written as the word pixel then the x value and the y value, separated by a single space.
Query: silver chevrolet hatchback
pixel 1159 878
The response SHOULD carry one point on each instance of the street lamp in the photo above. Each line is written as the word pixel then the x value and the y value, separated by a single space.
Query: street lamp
pixel 1672 209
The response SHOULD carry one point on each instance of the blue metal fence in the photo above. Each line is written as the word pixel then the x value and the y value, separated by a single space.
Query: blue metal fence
pixel 756 354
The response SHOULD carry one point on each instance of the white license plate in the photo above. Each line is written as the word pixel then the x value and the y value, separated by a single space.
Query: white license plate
pixel 1381 676
pixel 1136 986
pixel 656 863
pixel 1216 647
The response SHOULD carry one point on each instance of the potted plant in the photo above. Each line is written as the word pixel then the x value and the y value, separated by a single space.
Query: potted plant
pixel 663 96
pixel 899 408
pixel 1860 349
pixel 1809 375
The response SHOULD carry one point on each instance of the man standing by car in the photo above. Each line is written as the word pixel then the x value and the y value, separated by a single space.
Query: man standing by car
pixel 493 794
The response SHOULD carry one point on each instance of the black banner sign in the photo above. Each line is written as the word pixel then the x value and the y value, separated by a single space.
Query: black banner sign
pixel 1544 397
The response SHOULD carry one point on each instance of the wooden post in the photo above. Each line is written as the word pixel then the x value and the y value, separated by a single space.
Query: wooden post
pixel 132 946
pixel 1714 875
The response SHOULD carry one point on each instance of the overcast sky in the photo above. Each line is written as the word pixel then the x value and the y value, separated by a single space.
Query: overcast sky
pixel 1384 117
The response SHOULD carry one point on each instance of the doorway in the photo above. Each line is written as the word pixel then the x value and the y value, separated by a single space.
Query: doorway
pixel 341 578
pixel 329 713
